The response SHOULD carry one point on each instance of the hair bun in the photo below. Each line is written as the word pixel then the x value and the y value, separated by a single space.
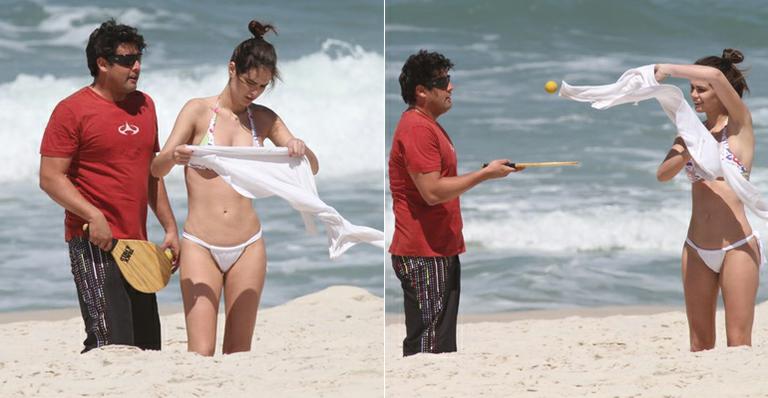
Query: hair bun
pixel 259 30
pixel 732 56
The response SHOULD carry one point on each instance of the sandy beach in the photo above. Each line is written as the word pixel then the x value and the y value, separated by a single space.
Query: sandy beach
pixel 592 354
pixel 326 344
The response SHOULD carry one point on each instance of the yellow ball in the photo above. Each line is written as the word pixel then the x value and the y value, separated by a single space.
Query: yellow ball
pixel 550 87
pixel 169 254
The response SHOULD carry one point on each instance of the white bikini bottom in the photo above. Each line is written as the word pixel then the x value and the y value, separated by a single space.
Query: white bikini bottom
pixel 224 256
pixel 713 258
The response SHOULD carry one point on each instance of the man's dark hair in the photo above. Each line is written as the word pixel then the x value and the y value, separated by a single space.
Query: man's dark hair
pixel 421 68
pixel 105 40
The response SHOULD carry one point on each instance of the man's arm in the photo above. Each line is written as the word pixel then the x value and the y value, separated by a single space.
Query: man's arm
pixel 435 189
pixel 161 206
pixel 54 181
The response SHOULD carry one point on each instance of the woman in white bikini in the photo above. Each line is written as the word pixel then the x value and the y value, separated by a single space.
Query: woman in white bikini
pixel 722 251
pixel 222 246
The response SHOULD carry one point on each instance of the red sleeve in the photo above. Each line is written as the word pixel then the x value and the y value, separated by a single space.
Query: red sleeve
pixel 61 137
pixel 421 150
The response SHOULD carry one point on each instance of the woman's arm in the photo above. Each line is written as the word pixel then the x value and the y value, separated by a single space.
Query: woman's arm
pixel 740 130
pixel 173 151
pixel 738 113
pixel 676 158
pixel 281 136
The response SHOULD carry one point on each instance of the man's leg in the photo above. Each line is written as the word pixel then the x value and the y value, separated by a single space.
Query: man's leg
pixel 446 324
pixel 146 320
pixel 414 327
pixel 426 293
pixel 104 303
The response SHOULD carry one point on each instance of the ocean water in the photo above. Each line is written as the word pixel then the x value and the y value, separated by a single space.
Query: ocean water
pixel 331 59
pixel 606 233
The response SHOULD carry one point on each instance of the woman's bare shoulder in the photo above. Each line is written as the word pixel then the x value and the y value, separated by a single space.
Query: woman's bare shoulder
pixel 263 116
pixel 262 111
pixel 199 104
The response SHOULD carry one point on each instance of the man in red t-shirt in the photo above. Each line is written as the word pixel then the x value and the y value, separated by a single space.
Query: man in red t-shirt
pixel 95 157
pixel 425 199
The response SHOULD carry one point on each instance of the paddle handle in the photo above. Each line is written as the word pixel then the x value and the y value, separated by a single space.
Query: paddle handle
pixel 538 164
pixel 86 230
pixel 508 164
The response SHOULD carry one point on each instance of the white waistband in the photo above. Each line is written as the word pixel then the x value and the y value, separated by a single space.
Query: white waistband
pixel 208 246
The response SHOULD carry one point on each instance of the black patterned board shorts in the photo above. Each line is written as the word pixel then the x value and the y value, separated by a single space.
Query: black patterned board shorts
pixel 112 310
pixel 431 287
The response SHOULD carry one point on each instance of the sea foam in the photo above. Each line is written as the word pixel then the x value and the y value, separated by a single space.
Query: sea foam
pixel 331 98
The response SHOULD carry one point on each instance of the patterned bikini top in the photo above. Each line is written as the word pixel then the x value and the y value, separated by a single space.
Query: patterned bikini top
pixel 694 172
pixel 208 138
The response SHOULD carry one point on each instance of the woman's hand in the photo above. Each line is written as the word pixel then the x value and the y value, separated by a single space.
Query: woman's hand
pixel 296 147
pixel 181 155
pixel 660 72
pixel 171 241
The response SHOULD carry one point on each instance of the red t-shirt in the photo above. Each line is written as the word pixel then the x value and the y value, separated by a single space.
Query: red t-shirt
pixel 420 145
pixel 111 145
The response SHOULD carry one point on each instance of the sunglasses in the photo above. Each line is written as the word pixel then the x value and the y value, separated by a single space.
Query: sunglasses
pixel 441 82
pixel 125 60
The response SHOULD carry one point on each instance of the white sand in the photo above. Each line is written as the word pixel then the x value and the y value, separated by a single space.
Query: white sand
pixel 327 344
pixel 615 356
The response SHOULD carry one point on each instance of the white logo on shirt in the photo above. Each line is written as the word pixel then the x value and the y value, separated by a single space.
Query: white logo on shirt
pixel 128 129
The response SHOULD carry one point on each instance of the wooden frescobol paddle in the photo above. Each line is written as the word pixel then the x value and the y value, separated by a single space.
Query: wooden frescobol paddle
pixel 143 264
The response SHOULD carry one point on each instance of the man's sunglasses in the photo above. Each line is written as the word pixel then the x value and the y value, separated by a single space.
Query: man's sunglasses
pixel 441 82
pixel 125 60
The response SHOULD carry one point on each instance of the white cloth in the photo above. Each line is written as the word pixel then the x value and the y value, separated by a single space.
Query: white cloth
pixel 640 84
pixel 262 172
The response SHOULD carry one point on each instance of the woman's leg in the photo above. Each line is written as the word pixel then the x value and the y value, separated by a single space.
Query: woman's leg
pixel 739 280
pixel 243 284
pixel 201 283
pixel 700 287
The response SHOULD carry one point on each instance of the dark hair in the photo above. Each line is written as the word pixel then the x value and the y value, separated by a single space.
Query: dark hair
pixel 421 68
pixel 105 40
pixel 726 64
pixel 256 52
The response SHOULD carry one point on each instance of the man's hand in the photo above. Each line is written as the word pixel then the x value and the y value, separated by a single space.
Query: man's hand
pixel 498 168
pixel 99 233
